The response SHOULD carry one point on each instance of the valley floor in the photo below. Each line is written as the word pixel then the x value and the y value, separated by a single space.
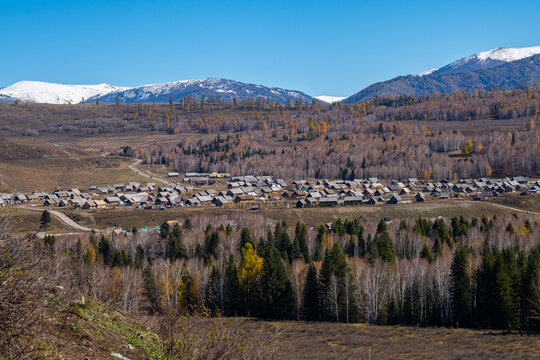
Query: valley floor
pixel 304 340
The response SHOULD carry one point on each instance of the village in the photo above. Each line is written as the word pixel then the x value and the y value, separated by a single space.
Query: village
pixel 222 190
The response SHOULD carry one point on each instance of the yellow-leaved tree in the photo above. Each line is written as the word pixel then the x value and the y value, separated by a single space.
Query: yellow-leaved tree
pixel 250 267
pixel 530 125
pixel 466 149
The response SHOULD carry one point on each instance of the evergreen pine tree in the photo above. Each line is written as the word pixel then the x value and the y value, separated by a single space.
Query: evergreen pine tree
pixel 333 272
pixel 49 241
pixel 531 286
pixel 232 288
pixel 296 253
pixel 300 235
pixel 151 289
pixel 504 317
pixel 214 299
pixel 164 230
pixel 312 296
pixel 486 286
pixel 245 237
pixel 283 241
pixel 187 224
pixel 461 288
pixel 437 246
pixel 441 231
pixel 425 253
pixel 515 274
pixel 372 250
pixel 351 246
pixel 277 295
pixel 384 244
pixel 45 219
pixel 211 244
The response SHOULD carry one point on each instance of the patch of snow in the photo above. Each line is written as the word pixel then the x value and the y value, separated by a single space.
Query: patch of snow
pixel 329 99
pixel 487 59
pixel 508 54
pixel 427 72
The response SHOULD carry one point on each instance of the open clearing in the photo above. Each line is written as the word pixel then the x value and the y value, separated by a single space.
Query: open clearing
pixel 42 167
pixel 312 340
pixel 130 217
pixel 22 220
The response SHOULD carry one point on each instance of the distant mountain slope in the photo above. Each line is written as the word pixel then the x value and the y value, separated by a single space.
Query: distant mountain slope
pixel 225 89
pixel 43 92
pixel 505 75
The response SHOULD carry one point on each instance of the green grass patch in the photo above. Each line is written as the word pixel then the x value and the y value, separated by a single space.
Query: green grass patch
pixel 143 341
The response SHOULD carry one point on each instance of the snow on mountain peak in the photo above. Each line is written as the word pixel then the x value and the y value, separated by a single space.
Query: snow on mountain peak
pixel 427 72
pixel 484 60
pixel 508 54
pixel 329 99
pixel 43 92
pixel 488 59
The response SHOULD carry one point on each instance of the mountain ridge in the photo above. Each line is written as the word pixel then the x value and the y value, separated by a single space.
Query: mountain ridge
pixel 505 75
pixel 500 67
pixel 488 59
pixel 225 89
pixel 43 92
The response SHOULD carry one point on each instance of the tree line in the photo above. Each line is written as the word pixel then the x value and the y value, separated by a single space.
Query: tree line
pixel 480 272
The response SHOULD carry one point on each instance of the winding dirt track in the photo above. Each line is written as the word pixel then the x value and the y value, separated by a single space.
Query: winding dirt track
pixel 515 209
pixel 62 217
pixel 144 174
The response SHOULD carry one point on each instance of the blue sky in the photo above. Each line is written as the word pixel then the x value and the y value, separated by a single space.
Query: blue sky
pixel 319 47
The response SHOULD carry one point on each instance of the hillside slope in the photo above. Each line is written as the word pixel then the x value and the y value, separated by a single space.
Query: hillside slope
pixel 507 75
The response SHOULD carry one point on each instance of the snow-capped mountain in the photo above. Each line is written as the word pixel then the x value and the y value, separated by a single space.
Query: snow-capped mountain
pixel 503 67
pixel 222 88
pixel 488 59
pixel 329 99
pixel 43 92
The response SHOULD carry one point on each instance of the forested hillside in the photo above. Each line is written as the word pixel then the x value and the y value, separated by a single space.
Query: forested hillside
pixel 479 272
pixel 387 137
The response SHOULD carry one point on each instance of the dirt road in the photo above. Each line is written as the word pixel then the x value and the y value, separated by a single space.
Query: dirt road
pixel 62 217
pixel 146 175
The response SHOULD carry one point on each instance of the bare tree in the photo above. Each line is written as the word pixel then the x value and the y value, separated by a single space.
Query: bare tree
pixel 373 290
pixel 297 274
pixel 132 286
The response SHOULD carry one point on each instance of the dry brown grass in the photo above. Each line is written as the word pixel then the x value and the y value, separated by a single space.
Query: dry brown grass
pixel 527 203
pixel 129 216
pixel 63 169
pixel 23 221
pixel 312 340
